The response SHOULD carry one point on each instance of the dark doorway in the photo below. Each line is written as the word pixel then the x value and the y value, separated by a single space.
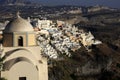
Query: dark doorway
pixel 22 78
pixel 20 41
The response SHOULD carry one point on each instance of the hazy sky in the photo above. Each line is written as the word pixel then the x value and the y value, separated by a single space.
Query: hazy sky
pixel 110 3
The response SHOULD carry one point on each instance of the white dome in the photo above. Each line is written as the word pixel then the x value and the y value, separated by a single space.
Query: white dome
pixel 19 25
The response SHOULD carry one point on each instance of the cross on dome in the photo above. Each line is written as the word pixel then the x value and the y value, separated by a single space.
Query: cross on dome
pixel 18 14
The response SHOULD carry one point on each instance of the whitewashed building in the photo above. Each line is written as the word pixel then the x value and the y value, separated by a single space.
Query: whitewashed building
pixel 23 56
pixel 41 24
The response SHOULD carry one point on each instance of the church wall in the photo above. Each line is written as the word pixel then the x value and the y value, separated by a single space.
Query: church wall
pixel 20 52
pixel 31 40
pixel 8 40
pixel 33 54
pixel 42 66
pixel 4 74
pixel 23 69
pixel 43 70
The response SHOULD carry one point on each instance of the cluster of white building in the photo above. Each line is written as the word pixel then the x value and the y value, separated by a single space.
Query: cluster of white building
pixel 41 24
pixel 61 38
pixel 47 49
pixel 55 43
pixel 88 40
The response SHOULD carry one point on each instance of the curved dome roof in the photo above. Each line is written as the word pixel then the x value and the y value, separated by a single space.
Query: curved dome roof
pixel 19 25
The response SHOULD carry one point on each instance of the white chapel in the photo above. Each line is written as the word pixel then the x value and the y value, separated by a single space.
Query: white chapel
pixel 23 60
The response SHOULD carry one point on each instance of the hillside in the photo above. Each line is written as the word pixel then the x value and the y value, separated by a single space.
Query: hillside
pixel 95 65
pixel 103 63
pixel 16 2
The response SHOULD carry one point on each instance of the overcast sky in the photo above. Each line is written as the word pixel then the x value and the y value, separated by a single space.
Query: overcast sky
pixel 110 3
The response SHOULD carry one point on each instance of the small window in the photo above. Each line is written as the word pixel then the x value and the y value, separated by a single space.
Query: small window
pixel 22 78
pixel 20 41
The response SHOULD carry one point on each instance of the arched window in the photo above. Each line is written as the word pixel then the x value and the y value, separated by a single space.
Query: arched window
pixel 20 41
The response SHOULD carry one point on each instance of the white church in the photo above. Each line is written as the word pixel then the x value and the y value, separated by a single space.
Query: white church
pixel 23 56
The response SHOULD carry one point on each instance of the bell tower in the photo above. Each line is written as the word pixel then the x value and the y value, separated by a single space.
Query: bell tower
pixel 19 32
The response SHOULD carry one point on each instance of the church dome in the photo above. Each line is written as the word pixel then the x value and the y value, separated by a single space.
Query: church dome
pixel 18 25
